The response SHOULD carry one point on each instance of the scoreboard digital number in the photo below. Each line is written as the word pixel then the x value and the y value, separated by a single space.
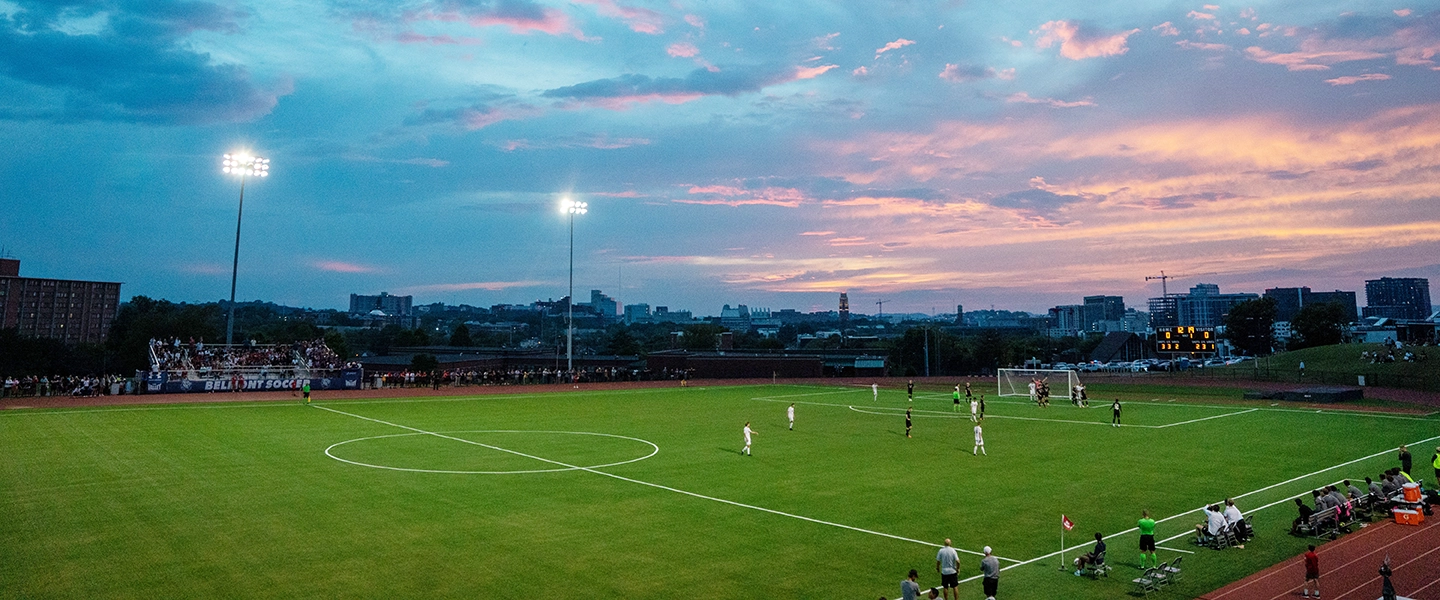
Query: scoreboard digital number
pixel 1185 340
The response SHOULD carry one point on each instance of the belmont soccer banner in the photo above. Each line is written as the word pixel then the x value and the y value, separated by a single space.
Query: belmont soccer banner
pixel 348 379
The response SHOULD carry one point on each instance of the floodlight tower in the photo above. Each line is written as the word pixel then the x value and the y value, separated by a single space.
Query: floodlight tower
pixel 571 208
pixel 241 165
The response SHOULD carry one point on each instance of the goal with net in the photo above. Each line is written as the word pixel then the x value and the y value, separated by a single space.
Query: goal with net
pixel 1016 382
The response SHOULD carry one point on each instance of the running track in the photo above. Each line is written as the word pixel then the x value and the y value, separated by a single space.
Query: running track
pixel 1349 567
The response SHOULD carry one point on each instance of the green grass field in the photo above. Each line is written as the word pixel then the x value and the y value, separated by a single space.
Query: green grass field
pixel 481 496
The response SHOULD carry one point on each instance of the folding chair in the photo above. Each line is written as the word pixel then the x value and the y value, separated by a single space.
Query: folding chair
pixel 1162 575
pixel 1146 583
pixel 1172 572
pixel 1097 567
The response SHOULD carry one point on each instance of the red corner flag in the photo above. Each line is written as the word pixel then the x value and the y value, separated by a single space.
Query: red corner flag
pixel 1065 522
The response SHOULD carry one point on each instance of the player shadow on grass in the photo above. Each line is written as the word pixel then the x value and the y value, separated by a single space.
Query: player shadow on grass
pixel 729 450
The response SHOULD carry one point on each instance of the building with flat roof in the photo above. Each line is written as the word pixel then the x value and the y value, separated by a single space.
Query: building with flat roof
pixel 68 310
pixel 1289 301
pixel 394 306
pixel 1405 298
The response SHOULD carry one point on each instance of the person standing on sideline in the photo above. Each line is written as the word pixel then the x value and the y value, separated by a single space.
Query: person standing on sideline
pixel 979 441
pixel 746 451
pixel 990 574
pixel 974 409
pixel 910 390
pixel 909 588
pixel 947 563
pixel 982 406
pixel 1405 459
pixel 875 389
pixel 956 396
pixel 1435 462
pixel 305 389
pixel 1312 573
pixel 907 421
pixel 790 412
pixel 1115 413
pixel 1146 525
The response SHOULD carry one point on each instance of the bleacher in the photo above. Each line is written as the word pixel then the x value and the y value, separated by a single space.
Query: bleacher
pixel 199 361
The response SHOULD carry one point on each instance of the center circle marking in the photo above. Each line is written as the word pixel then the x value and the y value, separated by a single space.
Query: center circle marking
pixel 654 450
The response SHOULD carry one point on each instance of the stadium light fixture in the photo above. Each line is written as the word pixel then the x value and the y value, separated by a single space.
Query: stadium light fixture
pixel 241 165
pixel 571 208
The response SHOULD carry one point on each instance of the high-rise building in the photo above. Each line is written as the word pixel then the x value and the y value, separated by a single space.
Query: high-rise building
pixel 637 313
pixel 603 305
pixel 1405 298
pixel 63 309
pixel 1289 301
pixel 959 314
pixel 1205 306
pixel 1102 308
pixel 844 308
pixel 394 306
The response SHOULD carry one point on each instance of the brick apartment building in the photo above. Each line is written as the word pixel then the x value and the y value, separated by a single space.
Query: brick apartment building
pixel 67 310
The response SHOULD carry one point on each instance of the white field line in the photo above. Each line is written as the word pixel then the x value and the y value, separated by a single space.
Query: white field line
pixel 1207 418
pixel 1157 546
pixel 648 484
pixel 1191 532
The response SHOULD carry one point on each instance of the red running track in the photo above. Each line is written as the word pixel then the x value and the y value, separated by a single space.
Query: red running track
pixel 1349 567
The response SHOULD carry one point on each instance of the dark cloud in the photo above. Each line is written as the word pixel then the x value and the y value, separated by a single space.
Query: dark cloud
pixel 135 69
pixel 1034 201
pixel 700 82
pixel 1286 175
pixel 1363 165
pixel 1187 200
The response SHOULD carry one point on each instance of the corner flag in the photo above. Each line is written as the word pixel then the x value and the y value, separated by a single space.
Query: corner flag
pixel 1065 522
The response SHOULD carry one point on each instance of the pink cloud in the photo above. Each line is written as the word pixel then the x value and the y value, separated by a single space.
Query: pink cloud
pixel 695 21
pixel 682 50
pixel 895 45
pixel 1200 16
pixel 1402 12
pixel 335 266
pixel 812 72
pixel 1308 60
pixel 474 285
pixel 723 190
pixel 849 241
pixel 734 196
pixel 1077 43
pixel 860 71
pixel 1211 7
pixel 818 233
pixel 1166 28
pixel 1242 31
pixel 1353 79
pixel 960 74
pixel 1025 98
pixel 640 20
pixel 1189 45
pixel 551 21
pixel 481 117
pixel 411 37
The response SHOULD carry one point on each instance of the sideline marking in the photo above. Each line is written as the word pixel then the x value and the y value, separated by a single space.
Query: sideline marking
pixel 943 414
pixel 656 450
pixel 1206 418
pixel 653 485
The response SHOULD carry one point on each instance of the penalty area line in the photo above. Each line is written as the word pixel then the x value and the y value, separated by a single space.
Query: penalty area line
pixel 653 485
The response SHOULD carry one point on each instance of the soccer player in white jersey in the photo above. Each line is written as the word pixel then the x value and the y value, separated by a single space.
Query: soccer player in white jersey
pixel 975 409
pixel 791 413
pixel 875 389
pixel 979 442
pixel 746 451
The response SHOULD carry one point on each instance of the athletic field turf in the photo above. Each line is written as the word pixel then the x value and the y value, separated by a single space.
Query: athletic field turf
pixel 643 493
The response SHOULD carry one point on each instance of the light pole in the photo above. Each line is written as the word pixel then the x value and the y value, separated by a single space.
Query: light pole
pixel 242 165
pixel 571 208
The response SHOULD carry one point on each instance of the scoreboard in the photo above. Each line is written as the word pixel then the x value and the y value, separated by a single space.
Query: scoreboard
pixel 1185 340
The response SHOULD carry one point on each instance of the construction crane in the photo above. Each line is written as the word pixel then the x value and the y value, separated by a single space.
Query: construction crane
pixel 1164 290
pixel 881 303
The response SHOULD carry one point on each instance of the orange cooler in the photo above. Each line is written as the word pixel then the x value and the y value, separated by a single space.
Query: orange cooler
pixel 1408 517
pixel 1411 491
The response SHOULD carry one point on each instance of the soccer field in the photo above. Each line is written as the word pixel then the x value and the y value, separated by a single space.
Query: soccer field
pixel 644 493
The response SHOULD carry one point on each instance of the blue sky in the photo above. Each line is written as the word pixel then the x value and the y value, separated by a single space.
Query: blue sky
pixel 771 154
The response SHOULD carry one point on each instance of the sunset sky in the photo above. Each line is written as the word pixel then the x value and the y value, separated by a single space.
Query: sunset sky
pixel 1016 154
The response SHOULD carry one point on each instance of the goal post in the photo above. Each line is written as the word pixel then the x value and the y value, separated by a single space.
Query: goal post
pixel 1016 382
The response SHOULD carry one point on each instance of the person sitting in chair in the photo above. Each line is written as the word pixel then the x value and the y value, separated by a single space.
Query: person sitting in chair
pixel 1214 523
pixel 1092 558
pixel 1235 520
pixel 1305 513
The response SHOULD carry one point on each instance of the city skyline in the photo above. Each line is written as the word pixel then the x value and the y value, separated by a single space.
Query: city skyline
pixel 926 154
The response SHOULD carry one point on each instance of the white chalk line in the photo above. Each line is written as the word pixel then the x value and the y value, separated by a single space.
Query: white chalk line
pixel 653 485
pixel 654 450
pixel 1252 511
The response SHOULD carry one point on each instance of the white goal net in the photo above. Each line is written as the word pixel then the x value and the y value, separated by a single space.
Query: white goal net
pixel 1016 382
